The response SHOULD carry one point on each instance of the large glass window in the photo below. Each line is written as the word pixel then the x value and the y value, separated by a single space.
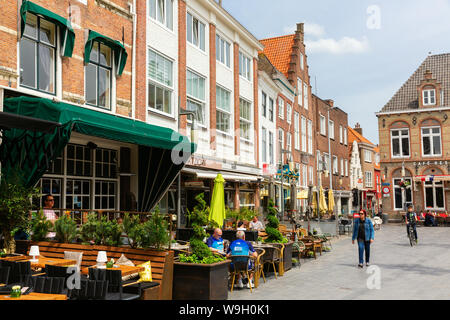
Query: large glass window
pixel 79 161
pixel 78 193
pixel 271 109
pixel 297 131
pixel 162 11
pixel 289 113
pixel 223 48
pixel 98 76
pixel 281 143
pixel 160 87
pixel 37 55
pixel 401 196
pixel 223 110
pixel 53 187
pixel 400 143
pixel 331 129
pixel 195 32
pixel 310 137
pixel 244 66
pixel 264 144
pixel 323 130
pixel 300 91
pixel 305 94
pixel 195 90
pixel 434 195
pixel 368 179
pixel 105 195
pixel 264 104
pixel 271 147
pixel 304 135
pixel 245 121
pixel 429 97
pixel 281 108
pixel 431 141
pixel 106 163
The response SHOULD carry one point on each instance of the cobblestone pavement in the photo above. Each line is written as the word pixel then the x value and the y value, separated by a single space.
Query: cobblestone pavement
pixel 420 272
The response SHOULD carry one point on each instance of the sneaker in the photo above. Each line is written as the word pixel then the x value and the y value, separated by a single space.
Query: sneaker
pixel 417 241
pixel 240 284
pixel 360 266
pixel 250 283
pixel 367 264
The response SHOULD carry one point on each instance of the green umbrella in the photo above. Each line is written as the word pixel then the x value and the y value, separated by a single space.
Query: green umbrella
pixel 217 212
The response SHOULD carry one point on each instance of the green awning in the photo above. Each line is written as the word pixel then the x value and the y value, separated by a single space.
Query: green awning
pixel 67 33
pixel 120 54
pixel 32 158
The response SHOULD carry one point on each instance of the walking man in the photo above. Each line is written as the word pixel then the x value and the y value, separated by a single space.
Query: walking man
pixel 363 232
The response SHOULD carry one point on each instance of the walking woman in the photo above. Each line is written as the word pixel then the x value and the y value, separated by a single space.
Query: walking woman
pixel 363 232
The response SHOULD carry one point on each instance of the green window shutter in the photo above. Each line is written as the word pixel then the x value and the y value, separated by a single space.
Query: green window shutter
pixel 67 33
pixel 120 54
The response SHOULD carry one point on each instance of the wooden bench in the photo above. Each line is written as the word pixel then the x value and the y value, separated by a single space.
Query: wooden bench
pixel 161 262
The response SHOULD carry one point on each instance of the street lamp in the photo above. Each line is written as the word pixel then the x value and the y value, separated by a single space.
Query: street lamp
pixel 291 165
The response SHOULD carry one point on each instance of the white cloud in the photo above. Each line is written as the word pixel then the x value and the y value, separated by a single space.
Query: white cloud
pixel 342 46
pixel 311 29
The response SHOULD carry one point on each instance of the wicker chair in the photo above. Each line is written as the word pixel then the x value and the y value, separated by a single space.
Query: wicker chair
pixel 259 266
pixel 240 266
pixel 279 258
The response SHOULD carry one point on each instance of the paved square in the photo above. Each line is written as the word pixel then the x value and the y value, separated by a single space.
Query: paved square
pixel 420 272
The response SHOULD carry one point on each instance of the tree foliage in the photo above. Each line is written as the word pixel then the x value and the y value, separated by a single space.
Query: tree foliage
pixel 274 235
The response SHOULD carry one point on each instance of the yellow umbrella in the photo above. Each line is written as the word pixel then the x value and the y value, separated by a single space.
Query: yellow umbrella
pixel 217 212
pixel 322 202
pixel 314 203
pixel 302 194
pixel 330 201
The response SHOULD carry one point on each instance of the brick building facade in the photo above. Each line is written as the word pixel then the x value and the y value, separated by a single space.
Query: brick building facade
pixel 414 140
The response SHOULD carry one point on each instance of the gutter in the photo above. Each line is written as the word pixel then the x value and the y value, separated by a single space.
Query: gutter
pixel 284 85
pixel 412 111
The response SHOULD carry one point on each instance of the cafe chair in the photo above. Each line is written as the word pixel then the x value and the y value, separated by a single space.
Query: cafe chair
pixel 53 285
pixel 73 255
pixel 89 290
pixel 19 271
pixel 270 257
pixel 259 266
pixel 298 248
pixel 115 283
pixel 279 257
pixel 239 265
pixel 4 276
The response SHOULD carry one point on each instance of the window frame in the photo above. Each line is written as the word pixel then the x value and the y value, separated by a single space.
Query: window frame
pixel 197 100
pixel 304 133
pixel 245 66
pixel 200 23
pixel 155 19
pixel 400 137
pixel 226 55
pixel 433 186
pixel 310 136
pixel 247 121
pixel 331 129
pixel 367 156
pixel 281 103
pixel 229 113
pixel 289 113
pixel 264 144
pixel 403 195
pixel 368 174
pixel 296 130
pixel 426 94
pixel 161 85
pixel 322 122
pixel 305 96
pixel 431 135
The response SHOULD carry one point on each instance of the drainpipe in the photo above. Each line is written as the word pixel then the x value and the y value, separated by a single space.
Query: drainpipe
pixel 133 67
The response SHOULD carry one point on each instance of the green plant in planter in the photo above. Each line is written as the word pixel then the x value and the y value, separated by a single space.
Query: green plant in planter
pixel 199 218
pixel 40 226
pixel 274 235
pixel 310 254
pixel 134 230
pixel 157 230
pixel 88 229
pixel 15 207
pixel 66 229
pixel 108 232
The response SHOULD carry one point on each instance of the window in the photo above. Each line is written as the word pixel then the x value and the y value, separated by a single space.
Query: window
pixel 310 137
pixel 326 159
pixel 162 11
pixel 195 90
pixel 281 108
pixel 79 161
pixel 400 143
pixel 53 187
pixel 341 138
pixel 345 136
pixel 297 131
pixel 37 55
pixel 289 113
pixel 271 147
pixel 431 141
pixel 160 87
pixel 434 195
pixel 368 179
pixel 223 107
pixel 323 130
pixel 271 109
pixel 264 145
pixel 195 32
pixel 368 156
pixel 331 129
pixel 264 104
pixel 305 94
pixel 429 97
pixel 335 165
pixel 304 133
pixel 342 167
pixel 311 175
pixel 346 167
pixel 304 175
pixel 281 142
pixel 244 66
pixel 300 91
pixel 223 51
pixel 301 61
pixel 245 121
pixel 319 161
pixel 401 197
pixel 288 141
pixel 106 163
pixel 98 77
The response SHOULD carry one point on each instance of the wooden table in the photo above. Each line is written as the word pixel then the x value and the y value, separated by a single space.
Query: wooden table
pixel 42 261
pixel 36 296
pixel 14 258
pixel 126 270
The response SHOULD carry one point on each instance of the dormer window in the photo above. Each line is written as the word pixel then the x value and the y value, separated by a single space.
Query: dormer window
pixel 429 97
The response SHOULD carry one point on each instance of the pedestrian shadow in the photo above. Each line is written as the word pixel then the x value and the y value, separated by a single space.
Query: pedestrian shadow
pixel 415 268
pixel 424 244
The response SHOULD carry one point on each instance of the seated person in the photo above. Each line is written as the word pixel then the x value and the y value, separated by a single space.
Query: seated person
pixel 430 219
pixel 241 226
pixel 240 247
pixel 215 242
pixel 255 224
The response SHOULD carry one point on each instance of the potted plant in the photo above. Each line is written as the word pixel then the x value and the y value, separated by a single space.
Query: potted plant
pixel 200 275
pixel 40 226
pixel 275 236
pixel 15 208
pixel 66 229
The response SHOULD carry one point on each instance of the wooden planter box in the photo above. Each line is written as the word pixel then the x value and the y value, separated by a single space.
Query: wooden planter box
pixel 200 281
pixel 161 261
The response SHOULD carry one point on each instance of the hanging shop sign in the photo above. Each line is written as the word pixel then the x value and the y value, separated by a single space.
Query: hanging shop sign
pixel 429 163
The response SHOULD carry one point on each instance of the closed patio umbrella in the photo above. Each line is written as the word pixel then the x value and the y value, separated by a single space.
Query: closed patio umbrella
pixel 330 201
pixel 314 203
pixel 217 212
pixel 322 202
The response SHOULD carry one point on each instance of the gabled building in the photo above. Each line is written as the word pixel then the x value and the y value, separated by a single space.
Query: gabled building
pixel 414 140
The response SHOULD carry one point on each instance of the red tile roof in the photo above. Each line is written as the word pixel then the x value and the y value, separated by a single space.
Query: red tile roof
pixel 354 135
pixel 278 50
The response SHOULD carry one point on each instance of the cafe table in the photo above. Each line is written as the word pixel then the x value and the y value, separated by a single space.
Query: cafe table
pixel 126 270
pixel 35 296
pixel 42 261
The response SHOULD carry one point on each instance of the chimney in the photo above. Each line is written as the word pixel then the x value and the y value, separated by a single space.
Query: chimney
pixel 358 128
pixel 300 26
pixel 428 75
pixel 330 102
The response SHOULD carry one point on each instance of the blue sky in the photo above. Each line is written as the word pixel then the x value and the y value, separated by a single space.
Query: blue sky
pixel 360 52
